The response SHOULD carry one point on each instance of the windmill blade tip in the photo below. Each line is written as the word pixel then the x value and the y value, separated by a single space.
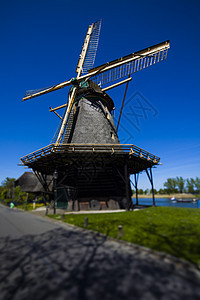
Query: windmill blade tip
pixel 23 99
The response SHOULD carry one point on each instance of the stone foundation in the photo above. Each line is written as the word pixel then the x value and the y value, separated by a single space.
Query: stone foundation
pixel 97 204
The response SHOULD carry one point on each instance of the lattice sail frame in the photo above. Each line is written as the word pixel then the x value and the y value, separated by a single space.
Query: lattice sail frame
pixel 129 68
pixel 114 70
pixel 92 48
pixel 30 93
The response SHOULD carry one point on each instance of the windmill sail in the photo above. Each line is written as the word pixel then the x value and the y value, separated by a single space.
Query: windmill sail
pixel 129 64
pixel 113 70
pixel 35 93
pixel 92 48
pixel 85 63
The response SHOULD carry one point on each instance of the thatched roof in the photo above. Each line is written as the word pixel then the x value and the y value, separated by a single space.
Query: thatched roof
pixel 29 183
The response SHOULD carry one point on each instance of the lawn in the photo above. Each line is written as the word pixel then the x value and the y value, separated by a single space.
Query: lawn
pixel 171 230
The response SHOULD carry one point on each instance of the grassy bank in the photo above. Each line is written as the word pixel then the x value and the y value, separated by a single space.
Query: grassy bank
pixel 174 231
pixel 183 195
pixel 29 206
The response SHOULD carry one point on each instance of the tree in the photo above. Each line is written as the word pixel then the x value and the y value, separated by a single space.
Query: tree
pixel 133 192
pixel 162 191
pixel 180 182
pixel 4 194
pixel 19 196
pixel 155 191
pixel 190 185
pixel 140 191
pixel 197 185
pixel 170 185
pixel 9 184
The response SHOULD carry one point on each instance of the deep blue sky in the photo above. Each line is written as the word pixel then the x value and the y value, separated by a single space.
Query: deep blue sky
pixel 40 45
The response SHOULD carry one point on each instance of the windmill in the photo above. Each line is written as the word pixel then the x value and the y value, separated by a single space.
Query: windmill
pixel 91 169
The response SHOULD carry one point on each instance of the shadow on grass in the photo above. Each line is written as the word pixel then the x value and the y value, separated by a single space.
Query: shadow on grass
pixel 176 234
pixel 183 242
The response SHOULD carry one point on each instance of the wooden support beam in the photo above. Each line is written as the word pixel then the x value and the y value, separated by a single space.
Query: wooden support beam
pixel 150 176
pixel 56 114
pixel 122 104
pixel 136 177
pixel 84 50
pixel 117 84
pixel 58 107
pixel 107 115
pixel 131 151
pixel 127 183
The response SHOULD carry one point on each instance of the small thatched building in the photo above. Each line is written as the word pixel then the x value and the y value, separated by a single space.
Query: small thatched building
pixel 29 183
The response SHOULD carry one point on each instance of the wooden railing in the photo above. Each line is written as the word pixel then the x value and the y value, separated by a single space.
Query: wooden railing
pixel 90 148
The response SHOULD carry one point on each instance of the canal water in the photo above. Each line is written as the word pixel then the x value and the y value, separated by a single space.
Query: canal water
pixel 166 202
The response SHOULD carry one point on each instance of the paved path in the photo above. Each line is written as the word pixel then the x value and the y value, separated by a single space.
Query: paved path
pixel 41 259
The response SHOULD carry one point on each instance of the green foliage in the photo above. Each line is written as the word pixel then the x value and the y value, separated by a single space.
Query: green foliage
pixel 7 202
pixel 190 185
pixel 140 191
pixel 170 185
pixel 177 185
pixel 155 191
pixel 8 193
pixel 31 197
pixel 180 183
pixel 29 206
pixel 197 184
pixel 4 194
pixel 162 191
pixel 8 184
pixel 19 196
pixel 171 230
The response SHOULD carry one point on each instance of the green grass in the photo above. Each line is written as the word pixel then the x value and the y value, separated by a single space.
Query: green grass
pixel 171 230
pixel 29 206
